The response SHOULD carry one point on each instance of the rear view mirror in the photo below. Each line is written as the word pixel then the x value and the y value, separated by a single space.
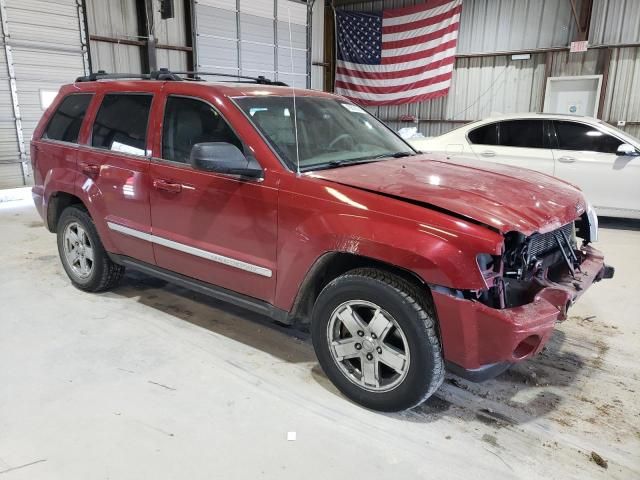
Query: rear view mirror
pixel 223 157
pixel 626 149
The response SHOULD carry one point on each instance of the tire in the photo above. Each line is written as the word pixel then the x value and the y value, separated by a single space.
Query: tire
pixel 405 322
pixel 82 254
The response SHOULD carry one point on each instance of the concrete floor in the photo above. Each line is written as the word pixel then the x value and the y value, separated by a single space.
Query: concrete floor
pixel 153 381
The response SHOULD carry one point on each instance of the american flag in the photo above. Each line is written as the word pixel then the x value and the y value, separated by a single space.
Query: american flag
pixel 397 56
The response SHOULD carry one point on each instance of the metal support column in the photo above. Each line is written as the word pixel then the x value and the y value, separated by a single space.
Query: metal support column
pixel 14 92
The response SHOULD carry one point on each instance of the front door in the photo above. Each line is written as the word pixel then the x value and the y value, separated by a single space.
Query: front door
pixel 586 156
pixel 216 228
pixel 519 143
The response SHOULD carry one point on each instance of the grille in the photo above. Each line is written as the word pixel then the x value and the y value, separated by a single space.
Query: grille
pixel 542 243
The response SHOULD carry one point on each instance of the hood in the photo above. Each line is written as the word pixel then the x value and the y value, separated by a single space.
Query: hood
pixel 502 197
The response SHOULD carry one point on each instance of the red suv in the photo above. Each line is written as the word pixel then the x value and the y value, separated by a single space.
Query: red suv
pixel 302 206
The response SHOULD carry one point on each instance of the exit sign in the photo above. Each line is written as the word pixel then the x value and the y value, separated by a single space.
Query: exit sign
pixel 579 46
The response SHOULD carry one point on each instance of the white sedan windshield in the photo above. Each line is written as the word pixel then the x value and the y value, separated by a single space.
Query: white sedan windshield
pixel 330 132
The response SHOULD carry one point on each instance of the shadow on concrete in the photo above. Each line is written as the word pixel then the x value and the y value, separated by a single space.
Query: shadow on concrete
pixel 492 402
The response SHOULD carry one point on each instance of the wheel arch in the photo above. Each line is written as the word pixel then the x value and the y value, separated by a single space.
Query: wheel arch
pixel 58 201
pixel 330 266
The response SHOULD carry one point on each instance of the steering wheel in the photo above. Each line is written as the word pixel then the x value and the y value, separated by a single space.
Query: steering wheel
pixel 340 138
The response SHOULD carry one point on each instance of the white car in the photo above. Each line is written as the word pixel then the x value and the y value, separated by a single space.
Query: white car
pixel 600 159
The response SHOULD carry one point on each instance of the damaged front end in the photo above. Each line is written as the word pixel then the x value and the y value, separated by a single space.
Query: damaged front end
pixel 555 261
pixel 529 287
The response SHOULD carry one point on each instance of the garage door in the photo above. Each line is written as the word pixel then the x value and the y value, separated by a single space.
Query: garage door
pixel 47 52
pixel 252 37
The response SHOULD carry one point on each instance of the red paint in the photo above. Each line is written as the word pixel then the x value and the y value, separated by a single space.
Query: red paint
pixel 286 222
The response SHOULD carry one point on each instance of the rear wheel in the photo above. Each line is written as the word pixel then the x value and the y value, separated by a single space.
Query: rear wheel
pixel 82 254
pixel 375 337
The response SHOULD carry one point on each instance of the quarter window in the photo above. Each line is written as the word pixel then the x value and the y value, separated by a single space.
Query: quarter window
pixel 188 121
pixel 121 123
pixel 522 133
pixel 66 121
pixel 485 135
pixel 578 136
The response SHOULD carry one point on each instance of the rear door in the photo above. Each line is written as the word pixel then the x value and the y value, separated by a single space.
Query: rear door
pixel 216 228
pixel 56 150
pixel 586 156
pixel 520 143
pixel 115 166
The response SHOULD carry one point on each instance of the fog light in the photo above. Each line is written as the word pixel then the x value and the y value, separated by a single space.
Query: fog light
pixel 526 346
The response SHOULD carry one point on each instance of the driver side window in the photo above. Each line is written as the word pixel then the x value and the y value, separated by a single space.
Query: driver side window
pixel 188 121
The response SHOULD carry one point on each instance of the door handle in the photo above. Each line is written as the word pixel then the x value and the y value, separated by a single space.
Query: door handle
pixel 566 159
pixel 91 169
pixel 167 186
pixel 488 153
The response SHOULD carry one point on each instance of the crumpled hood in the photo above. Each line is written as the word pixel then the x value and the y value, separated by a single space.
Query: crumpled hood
pixel 503 197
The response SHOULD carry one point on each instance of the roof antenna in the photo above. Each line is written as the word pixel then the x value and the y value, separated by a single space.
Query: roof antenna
pixel 293 90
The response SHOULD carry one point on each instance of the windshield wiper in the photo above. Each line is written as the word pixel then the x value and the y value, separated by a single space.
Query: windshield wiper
pixel 358 161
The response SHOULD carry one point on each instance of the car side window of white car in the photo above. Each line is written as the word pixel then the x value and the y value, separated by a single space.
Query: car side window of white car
pixel 582 137
pixel 521 133
pixel 484 135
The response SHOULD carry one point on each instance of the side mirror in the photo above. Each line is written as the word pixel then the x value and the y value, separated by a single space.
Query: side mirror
pixel 626 149
pixel 223 157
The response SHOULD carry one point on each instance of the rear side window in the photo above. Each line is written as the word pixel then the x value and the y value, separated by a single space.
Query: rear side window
pixel 66 121
pixel 188 121
pixel 485 135
pixel 522 133
pixel 121 123
pixel 578 136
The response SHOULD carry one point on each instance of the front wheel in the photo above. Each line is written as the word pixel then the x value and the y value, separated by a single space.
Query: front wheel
pixel 375 337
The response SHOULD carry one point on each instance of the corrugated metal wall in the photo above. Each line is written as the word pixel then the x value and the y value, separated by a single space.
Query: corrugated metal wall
pixel 116 19
pixel 615 22
pixel 251 37
pixel 501 25
pixel 46 52
pixel 496 83
pixel 10 167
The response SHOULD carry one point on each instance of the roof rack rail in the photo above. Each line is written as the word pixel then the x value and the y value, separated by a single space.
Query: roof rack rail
pixel 164 74
pixel 261 79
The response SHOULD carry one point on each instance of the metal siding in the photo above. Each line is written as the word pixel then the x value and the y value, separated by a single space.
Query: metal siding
pixel 479 88
pixel 262 40
pixel 10 169
pixel 488 26
pixel 622 101
pixel 47 52
pixel 615 22
pixel 217 38
pixel 116 19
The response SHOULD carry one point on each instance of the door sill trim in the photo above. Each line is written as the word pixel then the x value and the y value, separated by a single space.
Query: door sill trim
pixel 210 290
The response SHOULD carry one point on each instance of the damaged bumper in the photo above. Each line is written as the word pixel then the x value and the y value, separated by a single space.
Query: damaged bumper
pixel 481 342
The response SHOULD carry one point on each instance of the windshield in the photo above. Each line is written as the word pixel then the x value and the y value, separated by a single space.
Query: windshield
pixel 331 132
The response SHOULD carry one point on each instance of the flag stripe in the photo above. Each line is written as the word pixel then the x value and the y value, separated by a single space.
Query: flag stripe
pixel 404 11
pixel 425 22
pixel 393 96
pixel 396 75
pixel 415 16
pixel 397 66
pixel 408 42
pixel 394 89
pixel 389 37
pixel 428 54
pixel 419 47
pixel 404 80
